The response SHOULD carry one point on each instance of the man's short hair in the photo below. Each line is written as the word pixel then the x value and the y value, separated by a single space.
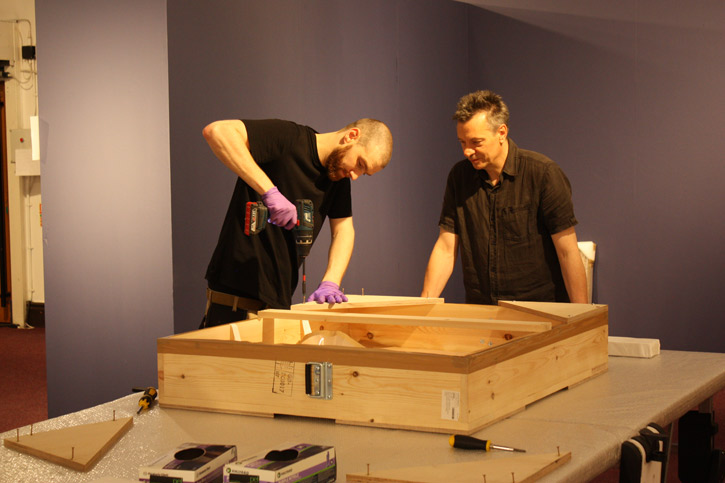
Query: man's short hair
pixel 497 112
pixel 376 135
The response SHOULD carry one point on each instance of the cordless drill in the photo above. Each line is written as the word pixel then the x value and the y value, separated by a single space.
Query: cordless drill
pixel 303 236
pixel 255 221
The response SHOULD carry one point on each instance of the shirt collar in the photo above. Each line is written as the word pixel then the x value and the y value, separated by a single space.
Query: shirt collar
pixel 511 166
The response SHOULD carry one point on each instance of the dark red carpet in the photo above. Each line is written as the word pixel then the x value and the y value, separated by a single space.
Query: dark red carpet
pixel 23 387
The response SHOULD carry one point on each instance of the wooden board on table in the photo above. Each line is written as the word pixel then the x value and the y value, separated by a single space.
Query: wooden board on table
pixel 355 301
pixel 521 469
pixel 76 447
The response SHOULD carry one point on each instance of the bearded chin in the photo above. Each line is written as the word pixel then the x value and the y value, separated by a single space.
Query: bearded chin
pixel 334 163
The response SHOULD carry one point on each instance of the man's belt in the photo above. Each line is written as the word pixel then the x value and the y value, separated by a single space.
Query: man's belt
pixel 233 301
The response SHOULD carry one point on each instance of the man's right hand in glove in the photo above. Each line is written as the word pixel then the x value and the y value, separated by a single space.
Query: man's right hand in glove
pixel 328 292
pixel 281 211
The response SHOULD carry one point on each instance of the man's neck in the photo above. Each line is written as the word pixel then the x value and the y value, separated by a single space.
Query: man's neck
pixel 323 147
pixel 494 171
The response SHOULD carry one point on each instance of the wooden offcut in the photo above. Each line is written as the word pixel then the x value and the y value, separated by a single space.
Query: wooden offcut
pixel 517 469
pixel 416 363
pixel 76 447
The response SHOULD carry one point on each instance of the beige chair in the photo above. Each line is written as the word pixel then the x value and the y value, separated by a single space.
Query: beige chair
pixel 588 250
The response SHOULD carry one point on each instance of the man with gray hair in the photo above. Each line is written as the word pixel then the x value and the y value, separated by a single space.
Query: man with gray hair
pixel 510 212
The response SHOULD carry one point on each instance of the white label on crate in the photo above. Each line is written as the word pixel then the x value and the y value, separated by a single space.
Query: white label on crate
pixel 283 375
pixel 450 405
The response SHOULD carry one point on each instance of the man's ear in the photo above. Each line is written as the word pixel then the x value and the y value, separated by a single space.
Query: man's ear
pixel 352 135
pixel 502 132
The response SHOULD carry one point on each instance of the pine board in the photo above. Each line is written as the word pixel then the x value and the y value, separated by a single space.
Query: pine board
pixel 76 447
pixel 519 469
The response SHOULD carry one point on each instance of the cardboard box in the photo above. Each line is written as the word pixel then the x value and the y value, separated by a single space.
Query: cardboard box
pixel 406 362
pixel 302 462
pixel 190 463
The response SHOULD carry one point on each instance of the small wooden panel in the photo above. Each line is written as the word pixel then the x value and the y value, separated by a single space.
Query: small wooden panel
pixel 519 469
pixel 77 447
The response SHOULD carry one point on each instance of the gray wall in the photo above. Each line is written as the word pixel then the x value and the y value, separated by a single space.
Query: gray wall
pixel 106 196
pixel 626 101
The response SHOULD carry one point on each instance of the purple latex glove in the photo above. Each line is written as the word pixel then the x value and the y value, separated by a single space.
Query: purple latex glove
pixel 328 292
pixel 281 211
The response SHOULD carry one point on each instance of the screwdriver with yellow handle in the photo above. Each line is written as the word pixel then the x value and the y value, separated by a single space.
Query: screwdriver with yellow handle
pixel 147 399
pixel 469 442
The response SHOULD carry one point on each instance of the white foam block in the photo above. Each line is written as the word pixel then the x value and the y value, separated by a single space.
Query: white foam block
pixel 633 347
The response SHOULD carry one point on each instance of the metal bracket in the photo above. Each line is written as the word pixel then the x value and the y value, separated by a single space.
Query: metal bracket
pixel 318 380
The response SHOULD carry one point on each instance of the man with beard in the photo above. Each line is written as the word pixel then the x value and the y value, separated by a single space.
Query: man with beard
pixel 279 162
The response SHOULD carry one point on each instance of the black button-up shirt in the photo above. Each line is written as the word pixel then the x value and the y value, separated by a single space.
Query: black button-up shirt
pixel 505 230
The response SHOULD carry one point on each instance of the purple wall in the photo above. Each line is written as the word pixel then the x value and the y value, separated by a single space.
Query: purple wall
pixel 632 107
pixel 398 61
pixel 624 99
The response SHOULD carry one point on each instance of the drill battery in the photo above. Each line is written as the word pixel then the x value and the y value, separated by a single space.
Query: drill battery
pixel 255 218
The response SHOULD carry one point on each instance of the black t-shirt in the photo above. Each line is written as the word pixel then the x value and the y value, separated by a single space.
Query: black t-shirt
pixel 505 230
pixel 265 266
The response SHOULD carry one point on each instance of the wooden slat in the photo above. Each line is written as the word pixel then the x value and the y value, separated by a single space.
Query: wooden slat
pixel 308 353
pixel 520 469
pixel 408 320
pixel 527 344
pixel 357 301
pixel 561 312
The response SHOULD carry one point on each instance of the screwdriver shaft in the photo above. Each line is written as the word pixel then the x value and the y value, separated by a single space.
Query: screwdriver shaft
pixel 507 448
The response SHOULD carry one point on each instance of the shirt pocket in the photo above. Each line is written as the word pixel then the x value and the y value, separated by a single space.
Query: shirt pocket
pixel 515 222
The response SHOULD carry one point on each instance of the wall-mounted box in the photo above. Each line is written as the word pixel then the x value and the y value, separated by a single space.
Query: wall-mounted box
pixel 409 363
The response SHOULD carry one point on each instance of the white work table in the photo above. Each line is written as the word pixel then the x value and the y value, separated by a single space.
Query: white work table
pixel 590 420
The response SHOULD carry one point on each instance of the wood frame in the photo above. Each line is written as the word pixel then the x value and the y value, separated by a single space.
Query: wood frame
pixel 424 365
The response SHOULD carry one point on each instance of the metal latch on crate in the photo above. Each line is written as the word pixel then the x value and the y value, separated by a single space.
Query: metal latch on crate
pixel 318 380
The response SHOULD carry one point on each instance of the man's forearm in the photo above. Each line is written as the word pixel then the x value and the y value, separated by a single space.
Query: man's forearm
pixel 575 278
pixel 341 247
pixel 572 268
pixel 439 270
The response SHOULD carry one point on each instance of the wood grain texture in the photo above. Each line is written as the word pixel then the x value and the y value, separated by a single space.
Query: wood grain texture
pixel 520 469
pixel 361 301
pixel 557 311
pixel 77 447
pixel 410 320
pixel 432 367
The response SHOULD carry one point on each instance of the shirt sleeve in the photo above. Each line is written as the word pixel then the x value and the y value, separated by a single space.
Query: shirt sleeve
pixel 556 202
pixel 341 206
pixel 447 219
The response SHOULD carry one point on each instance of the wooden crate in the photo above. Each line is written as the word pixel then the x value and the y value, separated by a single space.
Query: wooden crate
pixel 417 363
